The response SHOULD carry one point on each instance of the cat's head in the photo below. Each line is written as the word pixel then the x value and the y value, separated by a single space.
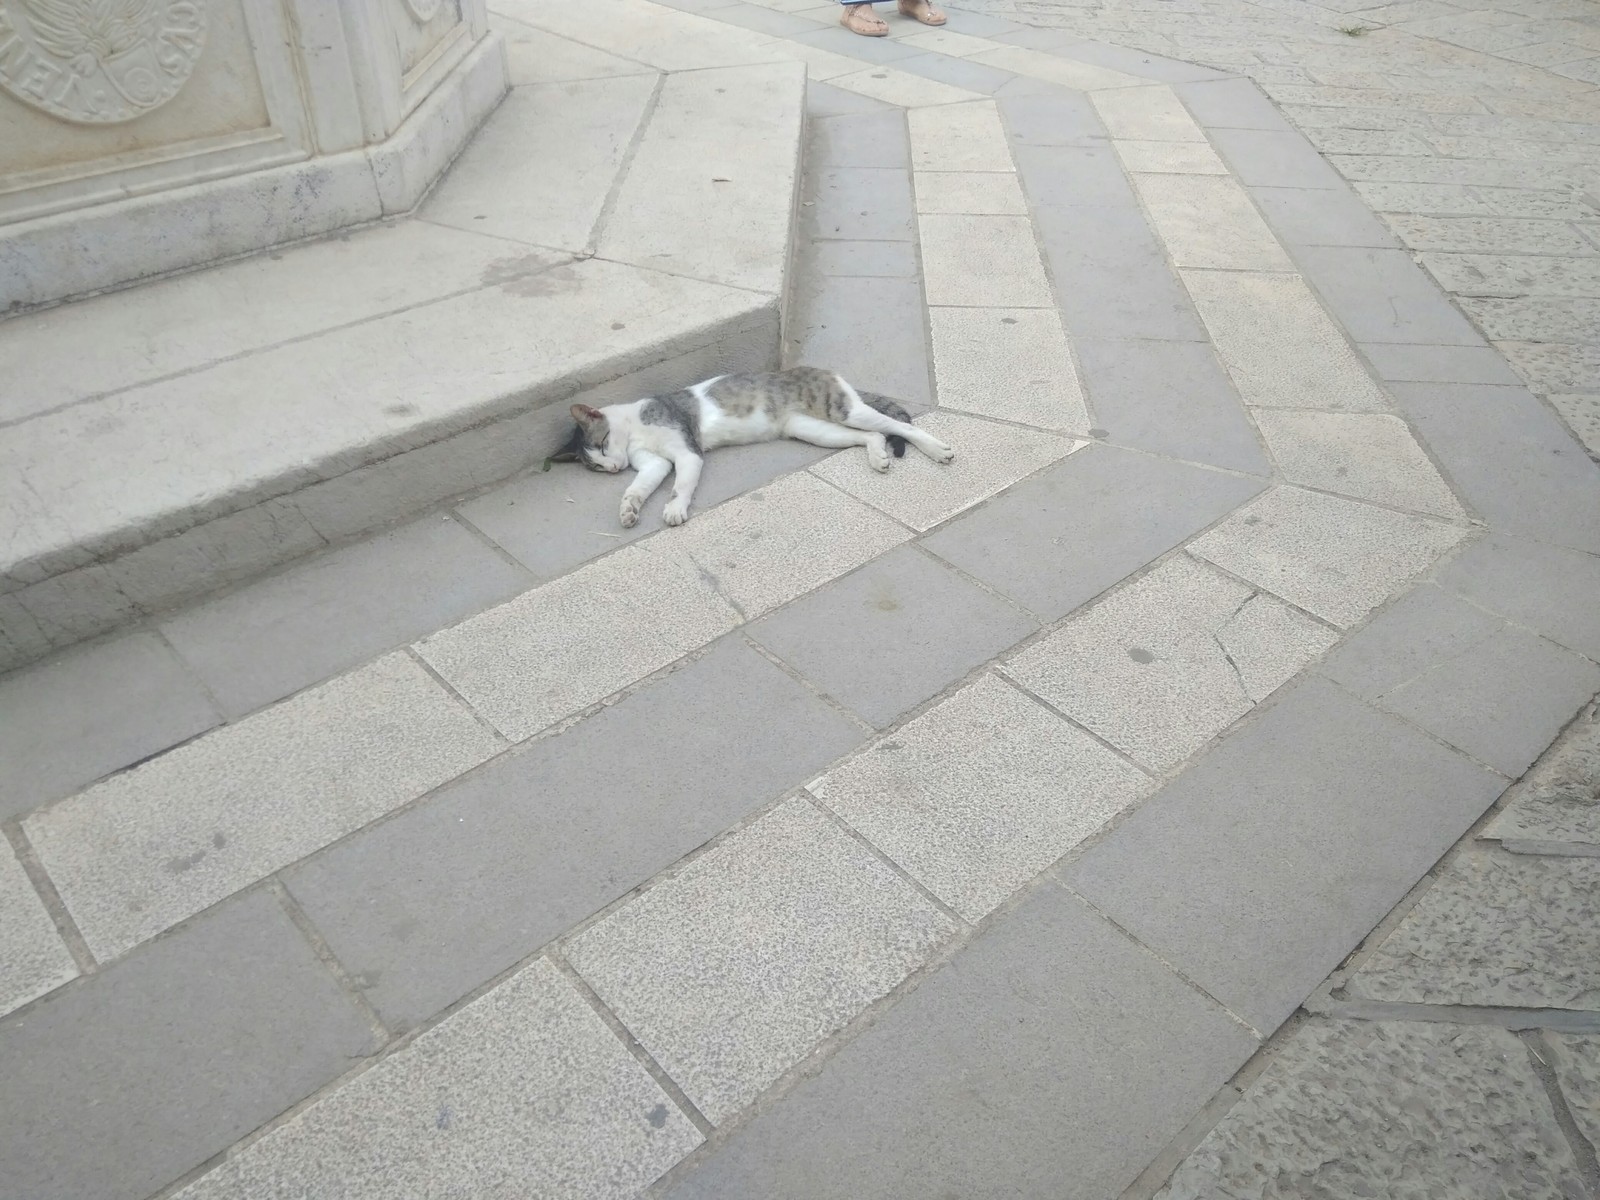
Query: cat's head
pixel 593 443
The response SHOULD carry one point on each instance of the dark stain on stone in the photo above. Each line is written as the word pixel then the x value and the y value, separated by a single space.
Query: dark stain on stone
pixel 618 325
pixel 186 862
pixel 560 281
pixel 218 840
pixel 1140 655
pixel 892 746
pixel 442 1121
pixel 1252 520
pixel 1099 433
pixel 503 270
pixel 657 1116
pixel 400 410
pixel 886 604
pixel 1008 320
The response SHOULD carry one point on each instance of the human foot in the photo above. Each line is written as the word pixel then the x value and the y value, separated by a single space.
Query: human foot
pixel 921 10
pixel 859 18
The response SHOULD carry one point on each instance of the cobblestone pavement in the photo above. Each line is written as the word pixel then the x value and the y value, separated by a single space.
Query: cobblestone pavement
pixel 1000 829
pixel 1471 126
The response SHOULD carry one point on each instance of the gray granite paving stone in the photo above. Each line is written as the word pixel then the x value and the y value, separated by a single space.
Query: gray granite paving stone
pixel 841 41
pixel 1308 216
pixel 122 1082
pixel 1424 628
pixel 1502 702
pixel 1438 364
pixel 857 260
pixel 899 630
pixel 1062 537
pixel 66 722
pixel 872 331
pixel 280 634
pixel 1511 930
pixel 525 1092
pixel 1051 1057
pixel 141 851
pixel 1412 309
pixel 1370 456
pixel 1266 158
pixel 1510 458
pixel 33 958
pixel 1054 118
pixel 1073 176
pixel 1577 1064
pixel 732 970
pixel 975 77
pixel 1549 588
pixel 1404 1111
pixel 1555 366
pixel 1559 799
pixel 1155 668
pixel 871 203
pixel 1111 274
pixel 980 793
pixel 1231 104
pixel 1137 62
pixel 1169 398
pixel 871 139
pixel 1259 868
pixel 425 907
pixel 764 20
pixel 1337 559
pixel 825 100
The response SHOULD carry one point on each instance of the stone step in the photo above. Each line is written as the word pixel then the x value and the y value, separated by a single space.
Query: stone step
pixel 601 239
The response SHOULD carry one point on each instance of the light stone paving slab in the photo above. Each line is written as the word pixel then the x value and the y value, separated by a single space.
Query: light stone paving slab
pixel 648 33
pixel 1280 346
pixel 980 793
pixel 542 166
pixel 535 56
pixel 527 663
pixel 964 137
pixel 1559 799
pixel 1501 929
pixel 138 853
pixel 1148 114
pixel 983 261
pixel 1577 1064
pixel 1367 1108
pixel 922 493
pixel 822 64
pixel 33 958
pixel 1207 221
pixel 761 550
pixel 710 189
pixel 945 41
pixel 987 193
pixel 1009 363
pixel 1158 668
pixel 1371 456
pixel 1582 415
pixel 730 971
pixel 524 1092
pixel 902 88
pixel 1337 559
pixel 1048 68
pixel 1183 158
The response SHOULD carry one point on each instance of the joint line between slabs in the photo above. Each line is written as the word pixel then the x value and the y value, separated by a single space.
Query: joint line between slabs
pixel 44 887
pixel 504 742
pixel 329 960
pixel 877 852
pixel 1583 1150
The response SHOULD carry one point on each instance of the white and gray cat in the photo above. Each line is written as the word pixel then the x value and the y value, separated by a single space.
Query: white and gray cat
pixel 662 434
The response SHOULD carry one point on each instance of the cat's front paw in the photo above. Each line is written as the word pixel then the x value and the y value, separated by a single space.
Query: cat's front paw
pixel 942 453
pixel 630 511
pixel 878 455
pixel 676 512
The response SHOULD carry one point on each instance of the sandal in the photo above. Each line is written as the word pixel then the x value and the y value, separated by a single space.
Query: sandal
pixel 859 18
pixel 921 10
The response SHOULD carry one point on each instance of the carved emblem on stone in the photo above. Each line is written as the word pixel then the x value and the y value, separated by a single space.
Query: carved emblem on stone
pixel 424 10
pixel 99 62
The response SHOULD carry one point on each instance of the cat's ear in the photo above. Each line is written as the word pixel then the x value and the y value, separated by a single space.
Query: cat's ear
pixel 587 416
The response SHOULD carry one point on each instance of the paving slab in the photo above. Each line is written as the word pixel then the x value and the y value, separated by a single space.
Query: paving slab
pixel 1170 398
pixel 1263 158
pixel 867 139
pixel 871 331
pixel 1036 1019
pixel 922 493
pixel 979 794
pixel 825 100
pixel 958 72
pixel 869 203
pixel 1577 1064
pixel 523 1092
pixel 1582 415
pixel 36 959
pixel 1149 113
pixel 912 91
pixel 1414 311
pixel 1337 559
pixel 145 849
pixel 733 969
pixel 1230 104
pixel 1511 458
pixel 1314 216
pixel 1352 1108
pixel 958 137
pixel 1370 456
pixel 535 56
pixel 560 647
pixel 1508 930
pixel 647 33
pixel 1208 222
pixel 1546 587
pixel 993 193
pixel 553 152
pixel 1009 363
pixel 66 722
pixel 317 618
pixel 1061 538
pixel 1559 799
pixel 1045 117
pixel 1424 628
pixel 860 259
pixel 1438 364
pixel 1180 158
pixel 981 260
pixel 1279 344
pixel 425 907
pixel 885 638
pixel 1158 668
pixel 1346 807
pixel 120 1083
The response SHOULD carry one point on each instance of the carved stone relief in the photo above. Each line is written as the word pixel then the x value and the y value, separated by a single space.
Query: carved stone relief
pixel 99 62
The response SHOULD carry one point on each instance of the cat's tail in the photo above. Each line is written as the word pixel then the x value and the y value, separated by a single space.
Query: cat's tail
pixel 894 411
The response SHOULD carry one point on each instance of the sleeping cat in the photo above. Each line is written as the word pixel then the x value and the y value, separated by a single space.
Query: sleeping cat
pixel 662 434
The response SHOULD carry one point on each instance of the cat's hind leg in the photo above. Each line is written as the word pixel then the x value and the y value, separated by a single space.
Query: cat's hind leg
pixel 818 432
pixel 652 470
pixel 862 415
